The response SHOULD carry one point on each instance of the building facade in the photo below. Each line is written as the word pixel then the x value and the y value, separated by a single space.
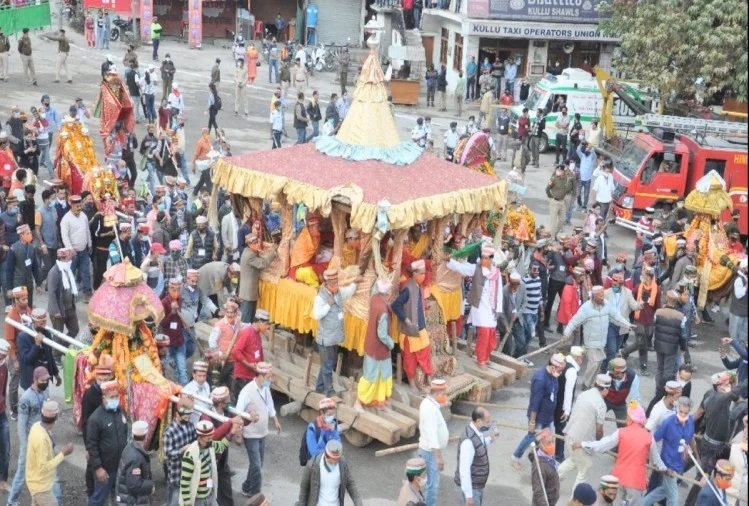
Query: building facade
pixel 541 36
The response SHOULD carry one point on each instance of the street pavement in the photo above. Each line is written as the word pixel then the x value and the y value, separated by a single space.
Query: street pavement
pixel 378 479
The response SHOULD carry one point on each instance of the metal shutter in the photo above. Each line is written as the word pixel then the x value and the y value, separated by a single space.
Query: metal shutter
pixel 338 20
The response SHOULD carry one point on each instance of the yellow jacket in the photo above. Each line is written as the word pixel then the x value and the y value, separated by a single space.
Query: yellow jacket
pixel 41 462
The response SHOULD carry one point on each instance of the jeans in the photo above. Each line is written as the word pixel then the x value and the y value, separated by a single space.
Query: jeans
pixel 668 490
pixel 247 308
pixel 103 491
pixel 328 360
pixel 478 495
pixel 82 265
pixel 177 355
pixel 102 41
pixel 276 139
pixel 273 71
pixel 4 447
pixel 529 438
pixel 301 135
pixel 136 103
pixel 19 479
pixel 529 327
pixel 471 88
pixel 315 129
pixel 584 193
pixel 44 158
pixel 204 181
pixel 417 25
pixel 255 452
pixel 613 343
pixel 155 43
pixel 183 167
pixel 150 108
pixel 433 477
pixel 172 494
pixel 515 343
pixel 151 169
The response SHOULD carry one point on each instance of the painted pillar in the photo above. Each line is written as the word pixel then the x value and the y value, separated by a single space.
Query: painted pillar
pixel 146 16
pixel 195 23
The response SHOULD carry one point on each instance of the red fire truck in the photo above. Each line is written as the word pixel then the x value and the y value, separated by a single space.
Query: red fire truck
pixel 663 165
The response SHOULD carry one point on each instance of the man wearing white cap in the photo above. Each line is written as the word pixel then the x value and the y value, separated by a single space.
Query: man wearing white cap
pixel 594 316
pixel 665 406
pixel 41 459
pixel 566 394
pixel 29 412
pixel 21 264
pixel 541 404
pixel 106 437
pixel 256 397
pixel 248 351
pixel 327 309
pixel 414 338
pixel 202 245
pixel 62 293
pixel 585 424
pixel 218 280
pixel 433 436
pixel 511 316
pixel 485 298
pixel 33 352
pixel 251 263
pixel 19 309
pixel 134 482
pixel 199 474
pixel 198 385
pixel 376 383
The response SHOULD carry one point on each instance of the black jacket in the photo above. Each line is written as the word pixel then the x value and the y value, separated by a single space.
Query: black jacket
pixel 106 437
pixel 134 483
pixel 89 403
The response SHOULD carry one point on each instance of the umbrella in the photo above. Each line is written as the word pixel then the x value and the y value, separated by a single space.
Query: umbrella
pixel 476 150
pixel 122 300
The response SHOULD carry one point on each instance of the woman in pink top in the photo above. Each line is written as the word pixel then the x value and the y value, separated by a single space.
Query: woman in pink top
pixel 88 26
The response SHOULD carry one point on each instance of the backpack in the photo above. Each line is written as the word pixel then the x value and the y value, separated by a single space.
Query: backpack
pixel 304 455
pixel 217 102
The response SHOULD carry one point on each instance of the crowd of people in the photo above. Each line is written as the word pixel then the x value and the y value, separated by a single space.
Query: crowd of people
pixel 203 272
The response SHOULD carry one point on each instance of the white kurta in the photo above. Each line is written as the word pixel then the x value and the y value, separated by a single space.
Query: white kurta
pixel 486 314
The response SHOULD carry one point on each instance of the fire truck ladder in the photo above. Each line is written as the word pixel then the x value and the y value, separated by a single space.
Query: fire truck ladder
pixel 698 125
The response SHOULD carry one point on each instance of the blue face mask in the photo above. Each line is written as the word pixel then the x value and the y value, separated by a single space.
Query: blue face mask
pixel 330 419
pixel 162 207
pixel 13 211
pixel 616 289
pixel 485 428
pixel 266 383
pixel 112 404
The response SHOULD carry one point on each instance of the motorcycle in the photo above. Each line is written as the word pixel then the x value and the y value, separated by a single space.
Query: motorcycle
pixel 323 59
pixel 121 27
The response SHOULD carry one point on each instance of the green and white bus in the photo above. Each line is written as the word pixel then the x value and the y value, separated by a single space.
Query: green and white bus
pixel 580 92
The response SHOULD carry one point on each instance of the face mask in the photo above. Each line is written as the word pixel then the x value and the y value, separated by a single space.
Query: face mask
pixel 441 399
pixel 484 428
pixel 723 483
pixel 329 419
pixel 608 500
pixel 175 255
pixel 681 418
pixel 112 404
pixel 13 211
pixel 42 386
pixel 616 289
pixel 162 207
pixel 549 449
pixel 49 420
pixel 266 384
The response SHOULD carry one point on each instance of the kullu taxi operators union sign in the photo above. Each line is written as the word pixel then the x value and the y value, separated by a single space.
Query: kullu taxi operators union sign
pixel 536 10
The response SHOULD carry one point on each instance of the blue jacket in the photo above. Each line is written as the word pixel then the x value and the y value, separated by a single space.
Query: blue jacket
pixel 740 364
pixel 31 356
pixel 543 400
pixel 317 438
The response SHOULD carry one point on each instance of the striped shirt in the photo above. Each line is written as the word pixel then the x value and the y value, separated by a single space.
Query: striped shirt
pixel 188 469
pixel 532 294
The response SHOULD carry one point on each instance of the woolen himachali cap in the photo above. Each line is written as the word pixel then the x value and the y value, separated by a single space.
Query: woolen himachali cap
pixel 200 366
pixel 140 428
pixel 220 394
pixel 50 408
pixel 204 428
pixel 326 403
pixel 262 315
pixel 603 380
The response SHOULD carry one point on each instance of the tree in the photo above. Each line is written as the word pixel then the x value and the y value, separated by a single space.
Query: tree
pixel 681 48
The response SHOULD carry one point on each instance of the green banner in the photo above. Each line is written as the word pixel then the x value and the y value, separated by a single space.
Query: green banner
pixel 14 19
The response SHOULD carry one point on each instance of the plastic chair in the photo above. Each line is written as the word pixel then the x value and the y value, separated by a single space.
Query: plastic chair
pixel 259 30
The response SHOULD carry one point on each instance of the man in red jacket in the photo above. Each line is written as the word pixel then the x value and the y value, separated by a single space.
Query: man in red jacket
pixel 248 351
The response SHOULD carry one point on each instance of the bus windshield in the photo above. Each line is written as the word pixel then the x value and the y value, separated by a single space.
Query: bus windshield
pixel 631 159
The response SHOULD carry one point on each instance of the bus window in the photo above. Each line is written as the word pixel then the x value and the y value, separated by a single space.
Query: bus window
pixel 718 166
